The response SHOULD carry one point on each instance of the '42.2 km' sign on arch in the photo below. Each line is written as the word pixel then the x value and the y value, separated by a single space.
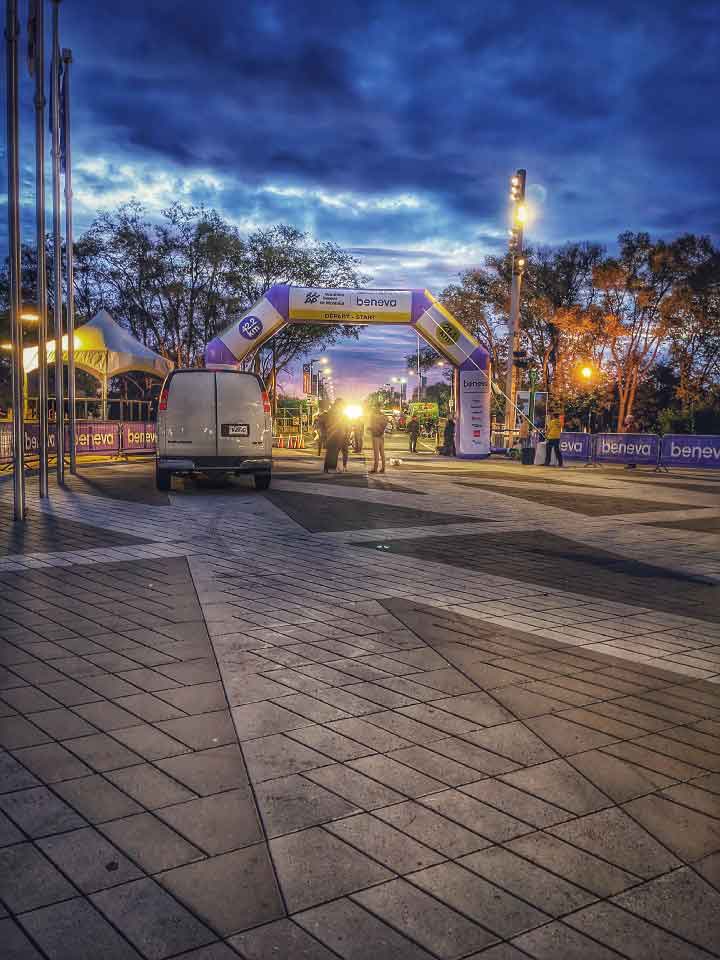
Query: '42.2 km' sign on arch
pixel 418 309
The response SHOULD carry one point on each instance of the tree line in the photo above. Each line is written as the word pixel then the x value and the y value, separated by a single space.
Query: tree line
pixel 646 318
pixel 645 321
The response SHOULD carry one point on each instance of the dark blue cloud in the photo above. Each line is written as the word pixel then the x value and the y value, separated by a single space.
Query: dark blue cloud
pixel 391 128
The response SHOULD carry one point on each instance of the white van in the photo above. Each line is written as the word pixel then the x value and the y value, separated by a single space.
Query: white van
pixel 213 422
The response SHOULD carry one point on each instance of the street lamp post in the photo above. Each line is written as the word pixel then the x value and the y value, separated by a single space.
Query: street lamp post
pixel 12 30
pixel 519 216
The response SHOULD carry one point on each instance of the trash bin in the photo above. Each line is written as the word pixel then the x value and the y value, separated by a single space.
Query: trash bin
pixel 528 456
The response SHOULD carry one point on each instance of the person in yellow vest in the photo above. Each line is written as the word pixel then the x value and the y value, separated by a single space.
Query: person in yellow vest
pixel 552 441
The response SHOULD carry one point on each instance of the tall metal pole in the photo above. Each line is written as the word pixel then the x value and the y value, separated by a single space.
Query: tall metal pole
pixel 57 248
pixel 513 345
pixel 39 70
pixel 517 195
pixel 418 370
pixel 12 30
pixel 70 296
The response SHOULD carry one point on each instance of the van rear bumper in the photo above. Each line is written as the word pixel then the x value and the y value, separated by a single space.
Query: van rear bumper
pixel 209 464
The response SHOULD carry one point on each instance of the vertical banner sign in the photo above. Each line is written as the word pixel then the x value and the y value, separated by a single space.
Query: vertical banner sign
pixel 640 448
pixel 307 379
pixel 473 434
pixel 575 446
pixel 681 450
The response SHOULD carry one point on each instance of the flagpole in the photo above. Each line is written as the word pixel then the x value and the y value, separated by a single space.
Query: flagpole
pixel 12 30
pixel 39 70
pixel 70 297
pixel 57 247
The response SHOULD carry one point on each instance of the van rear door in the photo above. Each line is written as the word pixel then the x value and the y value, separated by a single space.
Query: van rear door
pixel 240 414
pixel 190 426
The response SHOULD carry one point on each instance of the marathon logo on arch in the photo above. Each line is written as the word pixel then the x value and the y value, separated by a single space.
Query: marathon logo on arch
pixel 627 448
pixel 682 450
pixel 338 305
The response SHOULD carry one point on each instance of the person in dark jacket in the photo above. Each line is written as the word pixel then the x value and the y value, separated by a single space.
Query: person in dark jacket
pixel 321 422
pixel 449 437
pixel 414 432
pixel 336 435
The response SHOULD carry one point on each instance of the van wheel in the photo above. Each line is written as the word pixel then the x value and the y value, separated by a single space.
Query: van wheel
pixel 163 479
pixel 262 481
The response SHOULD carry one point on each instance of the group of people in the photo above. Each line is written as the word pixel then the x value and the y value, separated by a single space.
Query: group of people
pixel 335 434
pixel 447 448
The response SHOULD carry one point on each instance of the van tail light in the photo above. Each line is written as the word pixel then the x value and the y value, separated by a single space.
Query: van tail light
pixel 266 402
pixel 162 405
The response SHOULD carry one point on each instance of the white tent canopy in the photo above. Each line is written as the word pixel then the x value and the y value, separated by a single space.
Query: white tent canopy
pixel 104 349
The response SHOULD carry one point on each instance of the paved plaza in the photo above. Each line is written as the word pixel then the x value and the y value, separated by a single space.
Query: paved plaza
pixel 454 711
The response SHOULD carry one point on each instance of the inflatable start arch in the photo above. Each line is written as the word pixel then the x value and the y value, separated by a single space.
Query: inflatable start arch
pixel 415 308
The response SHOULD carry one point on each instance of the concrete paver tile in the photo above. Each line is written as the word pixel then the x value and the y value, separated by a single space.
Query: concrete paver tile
pixel 208 771
pixel 151 919
pixel 149 786
pixel 556 941
pixel 16 945
pixel 688 833
pixel 426 920
pixel 89 860
pixel 524 806
pixel 294 803
pixel 216 824
pixel 29 880
pixel 229 892
pixel 74 930
pixel 633 936
pixel 331 743
pixel 383 843
pixel 150 842
pixel 353 786
pixel 281 938
pixel 559 783
pixel 355 934
pixel 279 756
pixel 396 775
pixel 39 812
pixel 313 866
pixel 476 816
pixel 515 741
pixel 612 835
pixel 52 762
pixel 432 829
pixel 96 799
pixel 488 905
pixel 547 892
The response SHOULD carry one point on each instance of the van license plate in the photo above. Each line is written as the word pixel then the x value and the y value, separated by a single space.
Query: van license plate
pixel 235 430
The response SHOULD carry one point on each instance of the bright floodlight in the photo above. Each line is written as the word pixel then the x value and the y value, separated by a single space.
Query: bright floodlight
pixel 521 215
pixel 586 372
pixel 353 411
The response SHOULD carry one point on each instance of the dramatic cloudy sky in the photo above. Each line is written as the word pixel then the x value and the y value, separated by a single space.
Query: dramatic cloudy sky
pixel 391 127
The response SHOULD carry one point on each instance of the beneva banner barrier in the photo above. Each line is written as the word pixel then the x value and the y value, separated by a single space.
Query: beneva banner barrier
pixel 639 448
pixel 690 450
pixel 576 446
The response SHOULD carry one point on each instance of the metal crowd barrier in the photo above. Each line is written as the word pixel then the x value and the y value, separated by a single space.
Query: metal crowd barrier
pixel 110 437
pixel 643 449
pixel 113 437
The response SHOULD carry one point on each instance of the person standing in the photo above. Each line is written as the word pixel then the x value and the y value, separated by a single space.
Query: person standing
pixel 449 437
pixel 552 441
pixel 378 426
pixel 414 431
pixel 335 433
pixel 321 423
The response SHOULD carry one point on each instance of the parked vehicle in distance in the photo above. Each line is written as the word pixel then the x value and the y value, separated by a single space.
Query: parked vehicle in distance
pixel 215 422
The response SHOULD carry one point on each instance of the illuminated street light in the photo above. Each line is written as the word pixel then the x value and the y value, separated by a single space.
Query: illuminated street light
pixel 6 346
pixel 586 372
pixel 518 218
